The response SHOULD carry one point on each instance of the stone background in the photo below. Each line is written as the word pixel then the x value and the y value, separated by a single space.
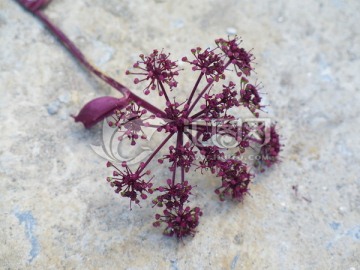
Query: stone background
pixel 58 212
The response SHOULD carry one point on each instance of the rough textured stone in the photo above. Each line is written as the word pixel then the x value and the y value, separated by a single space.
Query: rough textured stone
pixel 56 210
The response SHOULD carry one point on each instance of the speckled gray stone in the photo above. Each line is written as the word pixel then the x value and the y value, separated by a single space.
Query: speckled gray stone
pixel 58 212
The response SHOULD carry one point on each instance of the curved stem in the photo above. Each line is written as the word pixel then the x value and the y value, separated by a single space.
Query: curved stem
pixel 71 47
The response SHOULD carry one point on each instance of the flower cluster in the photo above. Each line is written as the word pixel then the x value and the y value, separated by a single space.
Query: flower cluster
pixel 235 179
pixel 180 219
pixel 130 122
pixel 208 62
pixel 159 69
pixel 216 105
pixel 240 58
pixel 182 156
pixel 173 195
pixel 180 222
pixel 250 97
pixel 191 123
pixel 270 150
pixel 205 129
pixel 130 184
pixel 212 156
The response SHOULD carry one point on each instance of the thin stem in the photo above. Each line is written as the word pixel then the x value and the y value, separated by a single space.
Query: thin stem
pixel 155 152
pixel 195 87
pixel 197 114
pixel 174 174
pixel 139 101
pixel 198 127
pixel 182 167
pixel 178 144
pixel 70 46
pixel 115 167
pixel 198 97
pixel 165 95
pixel 204 90
pixel 164 91
pixel 194 141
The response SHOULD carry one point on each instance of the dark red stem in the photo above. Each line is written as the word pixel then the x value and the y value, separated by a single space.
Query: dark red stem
pixel 155 152
pixel 204 90
pixel 178 144
pixel 70 46
pixel 195 87
pixel 196 115
pixel 164 91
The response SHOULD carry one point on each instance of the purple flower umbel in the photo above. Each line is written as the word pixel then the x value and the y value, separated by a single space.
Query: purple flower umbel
pixel 189 126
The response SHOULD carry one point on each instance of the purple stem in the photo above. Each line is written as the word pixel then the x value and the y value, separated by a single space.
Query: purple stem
pixel 198 98
pixel 178 144
pixel 70 46
pixel 195 87
pixel 174 174
pixel 204 90
pixel 164 91
pixel 181 141
pixel 155 152
pixel 197 114
pixel 198 127
pixel 194 141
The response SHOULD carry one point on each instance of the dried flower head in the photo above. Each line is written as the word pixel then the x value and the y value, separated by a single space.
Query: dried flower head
pixel 203 121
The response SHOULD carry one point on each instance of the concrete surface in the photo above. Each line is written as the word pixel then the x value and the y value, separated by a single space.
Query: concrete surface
pixel 58 212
